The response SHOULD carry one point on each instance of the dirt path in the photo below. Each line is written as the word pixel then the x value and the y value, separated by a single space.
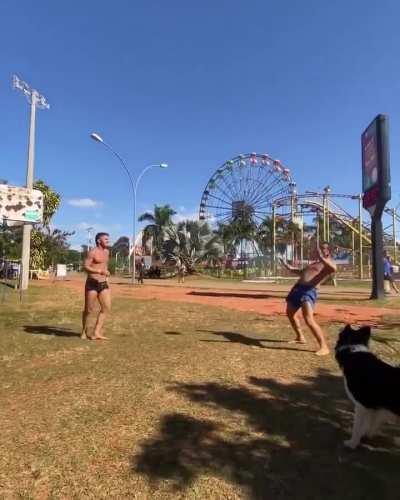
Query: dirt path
pixel 269 301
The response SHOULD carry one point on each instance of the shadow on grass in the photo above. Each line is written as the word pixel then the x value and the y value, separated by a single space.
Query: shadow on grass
pixel 271 440
pixel 7 284
pixel 235 294
pixel 330 297
pixel 50 330
pixel 239 338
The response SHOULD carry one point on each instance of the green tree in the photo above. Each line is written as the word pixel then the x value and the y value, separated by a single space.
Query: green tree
pixel 48 246
pixel 192 242
pixel 51 202
pixel 159 221
pixel 264 236
pixel 233 234
pixel 10 242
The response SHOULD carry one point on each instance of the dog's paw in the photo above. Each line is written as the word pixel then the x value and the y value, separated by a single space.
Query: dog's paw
pixel 350 444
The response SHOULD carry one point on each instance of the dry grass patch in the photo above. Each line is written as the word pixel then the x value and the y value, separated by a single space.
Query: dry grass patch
pixel 184 401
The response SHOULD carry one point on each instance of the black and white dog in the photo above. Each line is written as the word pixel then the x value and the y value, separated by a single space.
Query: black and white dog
pixel 371 384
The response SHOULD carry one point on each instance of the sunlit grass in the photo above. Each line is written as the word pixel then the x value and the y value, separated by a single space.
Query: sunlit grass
pixel 184 401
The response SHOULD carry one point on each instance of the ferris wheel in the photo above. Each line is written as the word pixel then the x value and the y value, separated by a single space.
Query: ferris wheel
pixel 245 187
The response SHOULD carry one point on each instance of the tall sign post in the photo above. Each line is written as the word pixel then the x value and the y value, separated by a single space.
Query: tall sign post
pixel 376 191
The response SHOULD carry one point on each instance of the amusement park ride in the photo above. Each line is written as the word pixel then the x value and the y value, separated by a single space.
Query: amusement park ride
pixel 255 187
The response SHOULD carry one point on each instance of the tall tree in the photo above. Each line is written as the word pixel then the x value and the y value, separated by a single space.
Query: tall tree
pixel 10 242
pixel 159 221
pixel 51 202
pixel 233 234
pixel 192 242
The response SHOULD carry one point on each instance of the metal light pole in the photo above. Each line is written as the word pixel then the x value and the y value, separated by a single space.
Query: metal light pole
pixel 360 244
pixel 36 100
pixel 394 215
pixel 327 191
pixel 302 240
pixel 134 185
pixel 273 239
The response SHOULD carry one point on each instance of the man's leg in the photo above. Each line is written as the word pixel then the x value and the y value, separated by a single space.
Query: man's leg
pixel 90 299
pixel 308 315
pixel 394 286
pixel 293 315
pixel 105 307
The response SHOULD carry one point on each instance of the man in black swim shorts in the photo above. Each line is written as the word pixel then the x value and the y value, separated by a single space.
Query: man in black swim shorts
pixel 96 287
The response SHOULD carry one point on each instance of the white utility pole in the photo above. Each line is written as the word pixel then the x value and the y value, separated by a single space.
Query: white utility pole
pixel 90 237
pixel 36 100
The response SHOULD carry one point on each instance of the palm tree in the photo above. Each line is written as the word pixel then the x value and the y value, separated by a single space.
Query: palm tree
pixel 227 234
pixel 236 232
pixel 192 242
pixel 159 221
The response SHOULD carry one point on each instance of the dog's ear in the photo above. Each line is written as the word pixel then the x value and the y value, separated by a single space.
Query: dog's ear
pixel 365 334
pixel 347 330
pixel 344 334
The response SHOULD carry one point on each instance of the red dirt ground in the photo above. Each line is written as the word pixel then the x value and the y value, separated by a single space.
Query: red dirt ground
pixel 268 300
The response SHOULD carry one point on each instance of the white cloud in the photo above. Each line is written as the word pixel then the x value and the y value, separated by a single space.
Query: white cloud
pixel 83 226
pixel 184 214
pixel 84 203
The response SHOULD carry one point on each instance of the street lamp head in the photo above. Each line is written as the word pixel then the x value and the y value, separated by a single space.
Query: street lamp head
pixel 96 137
pixel 163 165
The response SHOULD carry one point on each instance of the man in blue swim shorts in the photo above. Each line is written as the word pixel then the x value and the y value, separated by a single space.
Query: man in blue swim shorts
pixel 303 296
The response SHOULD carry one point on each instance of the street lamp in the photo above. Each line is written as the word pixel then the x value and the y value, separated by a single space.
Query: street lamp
pixel 134 185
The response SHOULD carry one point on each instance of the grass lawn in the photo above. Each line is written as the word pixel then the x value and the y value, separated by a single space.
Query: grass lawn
pixel 184 401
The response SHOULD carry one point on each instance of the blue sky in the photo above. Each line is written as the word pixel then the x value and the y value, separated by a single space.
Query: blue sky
pixel 193 84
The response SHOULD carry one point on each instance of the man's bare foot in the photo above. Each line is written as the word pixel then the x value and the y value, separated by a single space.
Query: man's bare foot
pixel 323 351
pixel 98 337
pixel 298 341
pixel 85 336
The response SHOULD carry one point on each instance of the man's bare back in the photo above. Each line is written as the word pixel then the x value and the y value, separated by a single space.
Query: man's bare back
pixel 314 274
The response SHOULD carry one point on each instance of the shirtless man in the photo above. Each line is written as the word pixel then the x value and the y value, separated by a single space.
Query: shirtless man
pixel 304 295
pixel 96 287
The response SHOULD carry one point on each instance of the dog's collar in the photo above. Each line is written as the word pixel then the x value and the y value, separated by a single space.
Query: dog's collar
pixel 353 348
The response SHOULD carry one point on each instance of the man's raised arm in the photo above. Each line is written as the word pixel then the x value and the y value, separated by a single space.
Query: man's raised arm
pixel 294 270
pixel 327 261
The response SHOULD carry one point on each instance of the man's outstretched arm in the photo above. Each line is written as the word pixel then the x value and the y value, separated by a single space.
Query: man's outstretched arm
pixel 294 270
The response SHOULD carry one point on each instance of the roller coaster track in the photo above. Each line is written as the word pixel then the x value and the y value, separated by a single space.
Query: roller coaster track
pixel 341 215
pixel 316 202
